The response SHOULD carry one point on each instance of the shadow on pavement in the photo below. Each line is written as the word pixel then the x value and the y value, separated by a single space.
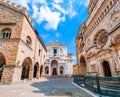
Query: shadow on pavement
pixel 61 87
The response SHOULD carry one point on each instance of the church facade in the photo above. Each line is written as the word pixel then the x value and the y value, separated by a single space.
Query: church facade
pixel 98 40
pixel 58 62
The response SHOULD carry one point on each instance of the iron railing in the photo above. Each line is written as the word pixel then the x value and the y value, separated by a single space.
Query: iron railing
pixel 108 86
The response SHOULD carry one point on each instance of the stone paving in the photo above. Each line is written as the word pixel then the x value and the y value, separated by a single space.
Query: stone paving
pixel 53 87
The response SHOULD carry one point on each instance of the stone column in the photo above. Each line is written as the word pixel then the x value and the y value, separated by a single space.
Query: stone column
pixel 7 74
pixel 31 73
pixel 38 73
pixel 43 70
pixel 58 70
pixel 50 70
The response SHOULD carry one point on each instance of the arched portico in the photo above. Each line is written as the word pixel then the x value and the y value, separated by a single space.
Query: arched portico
pixel 27 64
pixel 54 67
pixel 36 70
pixel 2 64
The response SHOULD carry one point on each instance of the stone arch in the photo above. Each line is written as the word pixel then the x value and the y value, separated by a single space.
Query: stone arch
pixel 106 68
pixel 46 70
pixel 83 65
pixel 54 67
pixel 101 37
pixel 26 65
pixel 2 64
pixel 36 70
pixel 61 70
pixel 41 70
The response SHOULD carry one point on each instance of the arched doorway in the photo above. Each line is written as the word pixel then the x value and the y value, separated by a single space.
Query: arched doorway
pixel 41 70
pixel 54 65
pixel 36 68
pixel 46 70
pixel 106 68
pixel 61 70
pixel 83 65
pixel 27 63
pixel 2 64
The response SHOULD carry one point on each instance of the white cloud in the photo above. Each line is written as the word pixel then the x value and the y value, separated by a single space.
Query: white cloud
pixel 23 3
pixel 44 36
pixel 74 57
pixel 84 2
pixel 71 10
pixel 46 14
pixel 36 12
pixel 58 1
pixel 58 7
pixel 39 1
pixel 51 15
pixel 57 34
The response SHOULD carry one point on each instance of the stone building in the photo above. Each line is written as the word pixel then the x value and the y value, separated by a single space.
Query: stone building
pixel 98 39
pixel 58 62
pixel 22 51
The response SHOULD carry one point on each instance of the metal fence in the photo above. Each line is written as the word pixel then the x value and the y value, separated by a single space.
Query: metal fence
pixel 109 86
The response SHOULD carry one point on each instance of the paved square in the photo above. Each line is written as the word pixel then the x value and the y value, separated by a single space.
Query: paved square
pixel 53 87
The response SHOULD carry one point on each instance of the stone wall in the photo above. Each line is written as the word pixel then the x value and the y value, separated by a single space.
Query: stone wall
pixel 15 48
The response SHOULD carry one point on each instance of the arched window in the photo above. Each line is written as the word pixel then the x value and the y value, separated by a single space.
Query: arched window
pixel 29 41
pixel 6 33
pixel 111 3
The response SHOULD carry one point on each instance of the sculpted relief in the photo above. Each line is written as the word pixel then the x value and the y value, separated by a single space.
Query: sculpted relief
pixel 115 17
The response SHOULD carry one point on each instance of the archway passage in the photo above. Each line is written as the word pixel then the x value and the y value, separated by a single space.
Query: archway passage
pixel 2 64
pixel 36 68
pixel 46 70
pixel 61 70
pixel 106 69
pixel 27 63
pixel 54 65
pixel 83 65
pixel 35 72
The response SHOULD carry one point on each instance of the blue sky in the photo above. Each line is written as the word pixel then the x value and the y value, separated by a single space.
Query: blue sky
pixel 57 20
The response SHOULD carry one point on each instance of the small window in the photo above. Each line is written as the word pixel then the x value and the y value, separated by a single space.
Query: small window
pixel 39 52
pixel 108 7
pixel 55 51
pixel 6 33
pixel 29 41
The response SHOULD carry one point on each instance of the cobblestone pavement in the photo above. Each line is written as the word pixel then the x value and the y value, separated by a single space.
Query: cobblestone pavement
pixel 54 87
